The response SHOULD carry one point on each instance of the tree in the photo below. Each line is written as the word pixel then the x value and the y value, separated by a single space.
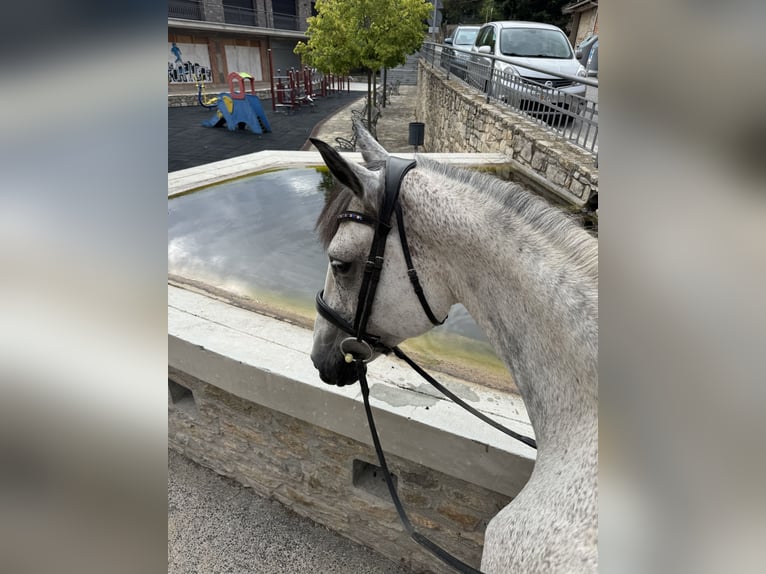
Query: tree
pixel 367 34
pixel 472 12
pixel 546 11
pixel 463 12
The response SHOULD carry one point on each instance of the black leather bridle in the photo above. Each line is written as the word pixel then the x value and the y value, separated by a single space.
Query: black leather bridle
pixel 362 344
pixel 360 347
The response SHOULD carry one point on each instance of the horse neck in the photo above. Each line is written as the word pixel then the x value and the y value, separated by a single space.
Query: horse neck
pixel 536 303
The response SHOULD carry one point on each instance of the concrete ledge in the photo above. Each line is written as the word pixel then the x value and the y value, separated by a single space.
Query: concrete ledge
pixel 203 25
pixel 266 361
pixel 245 401
pixel 186 180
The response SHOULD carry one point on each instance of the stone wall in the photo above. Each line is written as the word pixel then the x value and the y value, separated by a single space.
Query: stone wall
pixel 304 12
pixel 212 11
pixel 458 119
pixel 186 100
pixel 328 477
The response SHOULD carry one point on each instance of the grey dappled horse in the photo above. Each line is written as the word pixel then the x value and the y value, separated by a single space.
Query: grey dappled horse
pixel 528 276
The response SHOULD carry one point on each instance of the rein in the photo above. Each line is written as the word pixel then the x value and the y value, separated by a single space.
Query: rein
pixel 361 346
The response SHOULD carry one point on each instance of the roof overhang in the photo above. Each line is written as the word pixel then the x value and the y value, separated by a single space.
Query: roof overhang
pixel 580 6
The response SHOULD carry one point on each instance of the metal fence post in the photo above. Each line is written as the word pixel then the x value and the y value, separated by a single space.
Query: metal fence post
pixel 489 81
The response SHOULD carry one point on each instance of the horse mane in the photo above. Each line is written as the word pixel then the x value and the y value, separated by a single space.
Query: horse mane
pixel 562 231
pixel 580 247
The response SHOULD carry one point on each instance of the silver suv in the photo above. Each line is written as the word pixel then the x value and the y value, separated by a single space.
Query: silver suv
pixel 517 43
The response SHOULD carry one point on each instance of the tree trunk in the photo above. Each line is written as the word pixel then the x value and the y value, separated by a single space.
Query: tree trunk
pixel 385 79
pixel 369 101
pixel 375 86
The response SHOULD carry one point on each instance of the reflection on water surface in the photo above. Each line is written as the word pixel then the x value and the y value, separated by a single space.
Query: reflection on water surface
pixel 255 237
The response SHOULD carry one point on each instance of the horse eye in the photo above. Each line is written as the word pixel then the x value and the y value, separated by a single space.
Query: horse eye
pixel 340 267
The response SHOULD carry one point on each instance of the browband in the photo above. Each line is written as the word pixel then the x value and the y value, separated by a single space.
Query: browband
pixel 357 217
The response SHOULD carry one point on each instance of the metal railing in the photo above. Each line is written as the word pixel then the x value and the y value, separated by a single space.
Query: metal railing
pixel 261 18
pixel 244 16
pixel 192 10
pixel 559 104
pixel 285 21
pixel 184 9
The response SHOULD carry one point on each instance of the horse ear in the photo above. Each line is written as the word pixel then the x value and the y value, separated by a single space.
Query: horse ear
pixel 365 184
pixel 365 143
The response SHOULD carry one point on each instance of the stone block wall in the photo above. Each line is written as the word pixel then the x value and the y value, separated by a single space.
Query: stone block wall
pixel 458 119
pixel 326 477
pixel 212 11
pixel 186 100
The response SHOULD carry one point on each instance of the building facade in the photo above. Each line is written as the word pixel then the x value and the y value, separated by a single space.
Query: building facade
pixel 208 39
pixel 584 15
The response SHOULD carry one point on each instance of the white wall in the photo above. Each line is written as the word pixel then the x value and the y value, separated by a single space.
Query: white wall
pixel 194 64
pixel 244 59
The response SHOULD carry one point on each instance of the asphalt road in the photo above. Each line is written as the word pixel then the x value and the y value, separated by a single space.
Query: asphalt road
pixel 216 525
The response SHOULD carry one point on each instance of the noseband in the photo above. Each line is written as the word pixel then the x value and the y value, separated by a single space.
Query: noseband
pixel 362 345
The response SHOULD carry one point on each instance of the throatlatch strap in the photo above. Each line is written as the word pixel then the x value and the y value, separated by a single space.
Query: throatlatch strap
pixel 411 273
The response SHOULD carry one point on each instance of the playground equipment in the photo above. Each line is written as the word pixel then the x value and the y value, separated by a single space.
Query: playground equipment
pixel 237 109
pixel 203 99
pixel 301 87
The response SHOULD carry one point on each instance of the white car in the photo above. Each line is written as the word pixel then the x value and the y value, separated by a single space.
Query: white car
pixel 462 38
pixel 539 45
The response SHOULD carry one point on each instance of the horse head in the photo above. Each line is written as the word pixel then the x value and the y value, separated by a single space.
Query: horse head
pixel 396 313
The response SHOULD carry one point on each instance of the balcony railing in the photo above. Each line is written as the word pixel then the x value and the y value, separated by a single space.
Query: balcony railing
pixel 191 10
pixel 244 16
pixel 285 21
pixel 261 18
pixel 184 9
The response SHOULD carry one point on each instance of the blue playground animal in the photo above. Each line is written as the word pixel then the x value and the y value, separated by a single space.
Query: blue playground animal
pixel 238 109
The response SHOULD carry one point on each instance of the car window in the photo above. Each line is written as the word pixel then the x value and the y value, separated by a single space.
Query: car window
pixel 534 43
pixel 593 57
pixel 491 39
pixel 464 37
pixel 481 40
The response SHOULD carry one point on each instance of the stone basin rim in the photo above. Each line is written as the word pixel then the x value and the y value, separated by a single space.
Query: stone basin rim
pixel 186 180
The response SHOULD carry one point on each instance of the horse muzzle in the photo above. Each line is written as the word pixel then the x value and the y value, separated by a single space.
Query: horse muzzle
pixel 334 370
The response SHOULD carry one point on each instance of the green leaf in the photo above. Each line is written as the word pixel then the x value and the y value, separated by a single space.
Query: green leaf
pixel 348 34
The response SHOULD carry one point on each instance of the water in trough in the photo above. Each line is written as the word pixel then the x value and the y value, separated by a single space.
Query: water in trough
pixel 254 238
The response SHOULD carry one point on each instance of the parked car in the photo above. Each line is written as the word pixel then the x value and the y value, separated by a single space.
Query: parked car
pixel 462 38
pixel 582 51
pixel 591 66
pixel 540 45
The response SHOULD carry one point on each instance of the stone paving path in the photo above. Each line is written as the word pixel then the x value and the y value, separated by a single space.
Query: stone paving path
pixel 393 125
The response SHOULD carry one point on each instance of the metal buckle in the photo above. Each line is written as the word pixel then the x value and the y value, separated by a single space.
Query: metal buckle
pixel 354 350
pixel 376 264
